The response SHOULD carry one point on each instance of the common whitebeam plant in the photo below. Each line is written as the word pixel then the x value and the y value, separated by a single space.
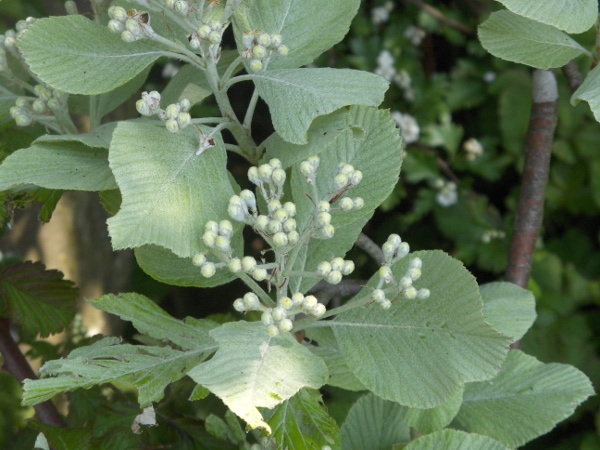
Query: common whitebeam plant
pixel 427 345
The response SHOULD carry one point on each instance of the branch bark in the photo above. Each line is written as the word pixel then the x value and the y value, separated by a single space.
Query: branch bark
pixel 434 12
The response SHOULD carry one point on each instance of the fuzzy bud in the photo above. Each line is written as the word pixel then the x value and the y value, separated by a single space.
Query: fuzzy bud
pixel 310 301
pixel 209 238
pixel 385 273
pixel 290 208
pixel 346 204
pixel 359 203
pixel 280 239
pixel 323 269
pixel 348 267
pixel 235 265
pixel 208 270
pixel 286 303
pixel 248 263
pixel 378 295
pixel 410 293
pixel 293 237
pixel 334 277
pixel 318 310
pixel 262 222
pixel 259 274
pixel 223 243
pixel 423 294
pixel 286 325
pixel 251 301
pixel 199 259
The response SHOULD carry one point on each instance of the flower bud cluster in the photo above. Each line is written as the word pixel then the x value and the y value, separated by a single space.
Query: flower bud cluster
pixel 175 116
pixel 309 168
pixel 180 6
pixel 260 46
pixel 132 25
pixel 26 109
pixel 8 42
pixel 404 284
pixel 332 271
pixel 280 318
pixel 346 178
pixel 394 249
pixel 489 235
pixel 212 32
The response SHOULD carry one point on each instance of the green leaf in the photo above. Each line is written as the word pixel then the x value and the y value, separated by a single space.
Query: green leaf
pixel 508 308
pixel 66 165
pixel 525 400
pixel 302 422
pixel 454 440
pixel 150 319
pixel 365 137
pixel 434 419
pixel 75 55
pixel 63 438
pixel 297 96
pixel 518 39
pixel 374 424
pixel 252 370
pixel 168 192
pixel 444 336
pixel 308 27
pixel 110 100
pixel 589 91
pixel 149 369
pixel 36 298
pixel 572 16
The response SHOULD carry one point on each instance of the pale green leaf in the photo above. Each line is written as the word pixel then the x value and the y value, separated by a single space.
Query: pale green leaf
pixel 150 319
pixel 434 419
pixel 308 27
pixel 365 137
pixel 168 192
pixel 78 56
pixel 444 336
pixel 65 165
pixel 98 138
pixel 252 370
pixel 297 96
pixel 455 440
pixel 525 400
pixel 329 351
pixel 510 309
pixel 374 424
pixel 589 91
pixel 572 16
pixel 514 38
pixel 302 422
pixel 149 369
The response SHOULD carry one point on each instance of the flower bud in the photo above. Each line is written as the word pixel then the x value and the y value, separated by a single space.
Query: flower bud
pixel 274 205
pixel 266 318
pixel 263 39
pixel 182 7
pixel 378 295
pixel 283 50
pixel 348 267
pixel 198 259
pixel 356 177
pixel 286 303
pixel 298 298
pixel 239 305
pixel 251 301
pixel 423 294
pixel 327 231
pixel 324 206
pixel 223 243
pixel 236 212
pixel 281 215
pixel 405 282
pixel 274 226
pixel 133 27
pixel 318 310
pixel 115 26
pixel 272 330
pixel 403 250
pixel 410 293
pixel 38 106
pixel 323 219
pixel 204 31
pixel 259 51
pixel 415 263
pixel 337 263
pixel 184 119
pixel 414 273
pixel 185 105
pixel 385 273
pixel 249 199
pixel 341 180
pixel 323 269
pixel 172 126
pixel 143 108
pixel 359 203
pixel 278 177
pixel 345 168
pixel 276 39
pixel 255 65
pixel 307 169
pixel 214 37
pixel 253 175
pixel 225 228
pixel 259 274
pixel 248 38
pixel 289 225
pixel 334 277
pixel 293 237
pixel 280 239
pixel 385 304
pixel 172 111
pixel 208 270
pixel 211 225
pixel 310 301
pixel 279 313
pixel 117 13
pixel 290 208
pixel 286 325
pixel 265 171
pixel 262 222
pixel 209 239
pixel 346 204
pixel 248 263
pixel 235 265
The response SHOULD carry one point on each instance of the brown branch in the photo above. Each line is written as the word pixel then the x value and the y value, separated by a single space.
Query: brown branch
pixel 16 364
pixel 364 242
pixel 573 75
pixel 434 12
pixel 326 292
pixel 530 210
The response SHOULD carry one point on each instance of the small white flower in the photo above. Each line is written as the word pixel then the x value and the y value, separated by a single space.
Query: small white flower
pixel 473 148
pixel 380 15
pixel 489 77
pixel 409 128
pixel 447 195
pixel 415 35
pixel 385 65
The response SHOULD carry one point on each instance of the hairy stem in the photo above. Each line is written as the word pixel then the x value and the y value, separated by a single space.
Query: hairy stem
pixel 16 364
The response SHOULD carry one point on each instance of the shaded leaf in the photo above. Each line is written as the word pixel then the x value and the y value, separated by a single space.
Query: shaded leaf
pixel 455 440
pixel 434 419
pixel 589 91
pixel 63 438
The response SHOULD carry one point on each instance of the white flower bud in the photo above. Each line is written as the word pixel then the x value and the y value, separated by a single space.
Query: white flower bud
pixel 327 231
pixel 185 105
pixel 182 7
pixel 289 225
pixel 235 265
pixel 215 25
pixel 410 293
pixel 225 228
pixel 209 238
pixel 172 111
pixel 259 51
pixel 255 65
pixel 337 263
pixel 236 212
pixel 272 330
pixel 415 263
pixel 423 294
pixel 211 225
pixel 184 119
pixel 395 240
pixel 290 208
pixel 324 206
pixel 280 239
pixel 38 106
pixel 251 301
pixel 259 274
pixel 414 273
pixel 359 203
pixel 318 310
pixel 249 199
pixel 143 108
pixel 172 126
pixel 341 180
pixel 334 277
pixel 388 250
pixel 274 226
pixel 298 298
pixel 346 204
pixel 23 120
pixel 286 303
pixel 117 13
pixel 405 282
pixel 278 177
pixel 348 267
pixel 214 37
pixel 208 270
pixel 345 168
pixel 356 177
pixel 116 26
pixel 323 219
pixel 378 295
pixel 199 259
pixel 266 318
pixel 385 273
pixel 276 39
pixel 314 160
pixel 265 171
pixel 248 38
pixel 223 243
pixel 248 263
pixel 307 169
pixel 403 250
pixel 274 205
pixel 293 237
pixel 385 304
pixel 253 175
pixel 263 39
pixel 239 305
pixel 275 163
pixel 286 325
pixel 279 313
pixel 204 31
pixel 323 269
pixel 262 222
pixel 283 50
pixel 133 27
pixel 281 215
pixel 310 301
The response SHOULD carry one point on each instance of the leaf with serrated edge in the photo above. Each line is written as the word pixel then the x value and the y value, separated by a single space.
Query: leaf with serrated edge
pixel 373 423
pixel 589 91
pixel 455 440
pixel 168 192
pixel 307 27
pixel 76 55
pixel 38 299
pixel 525 400
pixel 149 369
pixel 444 336
pixel 150 319
pixel 252 370
pixel 302 422
pixel 518 39
pixel 434 419
pixel 508 308
pixel 297 96
pixel 572 16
